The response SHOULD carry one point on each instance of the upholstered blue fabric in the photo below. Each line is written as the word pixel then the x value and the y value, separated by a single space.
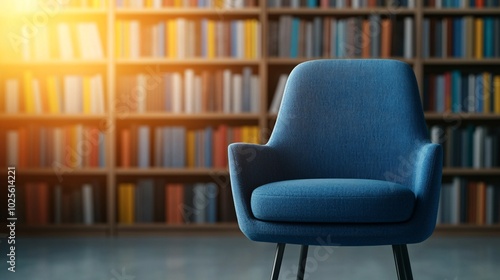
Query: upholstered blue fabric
pixel 352 119
pixel 333 201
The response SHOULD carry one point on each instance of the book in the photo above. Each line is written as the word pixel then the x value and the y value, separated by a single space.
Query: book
pixel 278 94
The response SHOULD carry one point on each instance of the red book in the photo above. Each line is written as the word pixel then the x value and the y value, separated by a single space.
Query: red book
pixel 326 36
pixel 366 37
pixel 386 38
pixel 471 202
pixel 125 148
pixel 175 201
pixel 324 3
pixel 479 3
pixel 481 203
pixel 372 3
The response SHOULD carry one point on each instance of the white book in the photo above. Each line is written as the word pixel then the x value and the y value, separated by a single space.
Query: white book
pixel 177 93
pixel 255 94
pixel 189 91
pixel 309 39
pixel 154 41
pixel 191 37
pixel 294 3
pixel 41 48
pixel 237 93
pixel 157 4
pixel 99 94
pixel 226 91
pixel 135 37
pixel 341 4
pixel 241 39
pixel 88 204
pixel 85 52
pixel 141 93
pixel 408 37
pixel 12 148
pixel 278 94
pixel 455 201
pixel 411 3
pixel 181 38
pixel 436 133
pixel 70 102
pixel 94 41
pixel 37 97
pixel 333 38
pixel 78 94
pixel 439 4
pixel 355 4
pixel 197 94
pixel 12 96
pixel 478 147
pixel 490 204
pixel 65 44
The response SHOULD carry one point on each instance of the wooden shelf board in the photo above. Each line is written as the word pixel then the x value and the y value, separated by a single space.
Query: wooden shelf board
pixel 452 171
pixel 64 229
pixel 187 61
pixel 461 11
pixel 171 171
pixel 189 11
pixel 294 61
pixel 201 116
pixel 462 116
pixel 343 12
pixel 68 172
pixel 53 117
pixel 191 229
pixel 461 61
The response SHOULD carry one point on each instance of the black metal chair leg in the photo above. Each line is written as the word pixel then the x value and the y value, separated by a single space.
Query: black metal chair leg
pixel 302 262
pixel 402 261
pixel 277 261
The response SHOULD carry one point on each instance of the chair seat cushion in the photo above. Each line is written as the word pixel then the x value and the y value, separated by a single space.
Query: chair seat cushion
pixel 333 201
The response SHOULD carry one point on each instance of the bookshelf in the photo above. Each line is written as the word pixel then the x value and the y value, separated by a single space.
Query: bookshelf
pixel 266 67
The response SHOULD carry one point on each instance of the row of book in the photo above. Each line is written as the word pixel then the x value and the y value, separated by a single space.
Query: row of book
pixel 178 147
pixel 469 202
pixel 461 37
pixel 355 4
pixel 40 203
pixel 468 146
pixel 458 91
pixel 69 94
pixel 184 38
pixel 53 6
pixel 370 37
pixel 218 4
pixel 67 41
pixel 157 201
pixel 71 146
pixel 222 91
pixel 462 3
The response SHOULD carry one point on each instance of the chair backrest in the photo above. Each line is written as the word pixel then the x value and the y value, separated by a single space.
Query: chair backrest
pixel 349 119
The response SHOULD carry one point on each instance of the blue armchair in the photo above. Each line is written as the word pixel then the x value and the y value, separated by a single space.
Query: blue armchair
pixel 349 163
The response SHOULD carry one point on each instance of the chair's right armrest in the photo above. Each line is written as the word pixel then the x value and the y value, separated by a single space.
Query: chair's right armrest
pixel 250 166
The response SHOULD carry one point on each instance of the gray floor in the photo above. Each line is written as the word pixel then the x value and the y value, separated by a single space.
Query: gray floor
pixel 219 258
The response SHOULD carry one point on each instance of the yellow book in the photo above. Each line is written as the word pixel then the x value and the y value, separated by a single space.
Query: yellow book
pixel 245 134
pixel 96 4
pixel 126 39
pixel 255 135
pixel 149 3
pixel 487 92
pixel 253 41
pixel 119 38
pixel 172 38
pixel 130 203
pixel 29 103
pixel 478 34
pixel 87 91
pixel 497 94
pixel 211 39
pixel 121 203
pixel 53 96
pixel 191 149
pixel 178 3
pixel 246 35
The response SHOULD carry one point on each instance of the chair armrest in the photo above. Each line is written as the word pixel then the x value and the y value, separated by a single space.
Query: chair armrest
pixel 250 166
pixel 427 185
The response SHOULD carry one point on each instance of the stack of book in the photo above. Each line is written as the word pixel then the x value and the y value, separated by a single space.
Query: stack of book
pixel 219 91
pixel 457 91
pixel 75 146
pixel 339 4
pixel 179 147
pixel 341 37
pixel 470 146
pixel 469 202
pixel 157 201
pixel 461 37
pixel 71 94
pixel 76 204
pixel 187 38
pixel 220 4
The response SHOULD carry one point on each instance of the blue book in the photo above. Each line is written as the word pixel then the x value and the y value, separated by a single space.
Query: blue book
pixel 167 147
pixel 311 3
pixel 102 150
pixel 212 194
pixel 488 36
pixel 457 37
pixel 294 38
pixel 208 147
pixel 479 93
pixel 456 88
pixel 143 146
pixel 439 93
pixel 497 37
pixel 341 25
pixel 179 146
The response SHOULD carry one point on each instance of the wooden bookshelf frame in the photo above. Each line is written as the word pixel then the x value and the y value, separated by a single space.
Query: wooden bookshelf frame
pixel 111 65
